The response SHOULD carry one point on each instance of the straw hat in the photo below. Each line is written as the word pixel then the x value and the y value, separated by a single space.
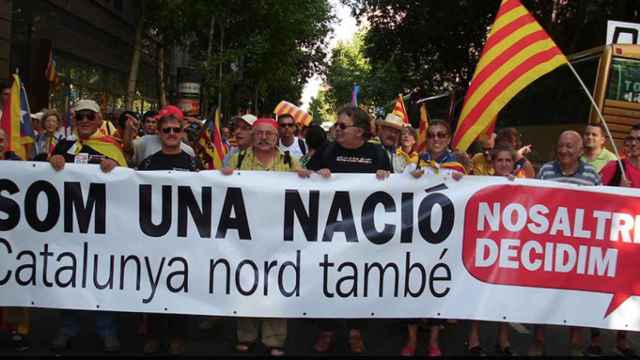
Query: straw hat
pixel 394 121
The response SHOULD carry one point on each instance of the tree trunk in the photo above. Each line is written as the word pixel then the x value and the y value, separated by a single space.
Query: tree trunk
pixel 207 80
pixel 162 87
pixel 135 60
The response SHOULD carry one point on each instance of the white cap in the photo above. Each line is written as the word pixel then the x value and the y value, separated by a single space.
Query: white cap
pixel 38 115
pixel 248 118
pixel 87 105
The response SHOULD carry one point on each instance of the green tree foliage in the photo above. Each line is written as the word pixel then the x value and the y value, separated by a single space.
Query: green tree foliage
pixel 321 109
pixel 269 49
pixel 350 66
pixel 435 45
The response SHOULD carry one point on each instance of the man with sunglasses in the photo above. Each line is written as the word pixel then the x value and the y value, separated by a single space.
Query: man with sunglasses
pixel 351 153
pixel 171 157
pixel 296 146
pixel 141 148
pixel 91 146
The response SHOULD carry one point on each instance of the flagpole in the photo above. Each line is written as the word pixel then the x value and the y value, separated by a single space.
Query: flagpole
pixel 604 122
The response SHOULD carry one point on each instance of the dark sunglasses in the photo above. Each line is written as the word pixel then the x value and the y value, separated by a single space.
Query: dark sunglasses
pixel 287 125
pixel 438 135
pixel 85 115
pixel 631 139
pixel 170 129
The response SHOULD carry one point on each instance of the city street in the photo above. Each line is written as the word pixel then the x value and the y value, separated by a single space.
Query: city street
pixel 383 338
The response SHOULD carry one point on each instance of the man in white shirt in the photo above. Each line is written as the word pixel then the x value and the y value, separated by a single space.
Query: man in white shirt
pixel 296 146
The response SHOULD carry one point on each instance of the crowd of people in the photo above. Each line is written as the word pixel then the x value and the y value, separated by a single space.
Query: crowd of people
pixel 169 140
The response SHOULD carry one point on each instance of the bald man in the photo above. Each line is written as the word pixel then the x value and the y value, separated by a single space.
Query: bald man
pixel 568 168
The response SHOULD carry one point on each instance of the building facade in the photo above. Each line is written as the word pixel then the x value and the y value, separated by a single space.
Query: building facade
pixel 92 43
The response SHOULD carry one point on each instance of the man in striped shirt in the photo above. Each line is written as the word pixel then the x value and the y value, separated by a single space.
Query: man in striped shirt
pixel 568 168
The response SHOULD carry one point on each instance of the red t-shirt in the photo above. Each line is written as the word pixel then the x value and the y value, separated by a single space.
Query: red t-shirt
pixel 609 171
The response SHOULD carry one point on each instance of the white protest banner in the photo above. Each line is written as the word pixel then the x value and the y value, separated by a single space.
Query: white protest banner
pixel 273 245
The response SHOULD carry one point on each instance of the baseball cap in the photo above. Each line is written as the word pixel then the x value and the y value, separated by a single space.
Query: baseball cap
pixel 248 118
pixel 170 110
pixel 87 105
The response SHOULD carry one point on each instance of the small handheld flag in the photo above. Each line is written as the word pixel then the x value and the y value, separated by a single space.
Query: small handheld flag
pixel 16 120
pixel 401 111
pixel 354 95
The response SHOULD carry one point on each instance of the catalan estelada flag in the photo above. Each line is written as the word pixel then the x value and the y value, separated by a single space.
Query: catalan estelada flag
pixel 422 131
pixel 214 149
pixel 299 115
pixel 518 51
pixel 16 120
pixel 400 110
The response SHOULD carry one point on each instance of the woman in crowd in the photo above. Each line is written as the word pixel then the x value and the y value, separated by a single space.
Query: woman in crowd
pixel 437 160
pixel 503 161
pixel 511 137
pixel 50 135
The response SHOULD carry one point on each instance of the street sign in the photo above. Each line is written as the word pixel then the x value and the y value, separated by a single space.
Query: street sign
pixel 619 32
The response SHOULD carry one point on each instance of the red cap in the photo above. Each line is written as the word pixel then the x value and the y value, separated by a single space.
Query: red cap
pixel 170 110
pixel 266 121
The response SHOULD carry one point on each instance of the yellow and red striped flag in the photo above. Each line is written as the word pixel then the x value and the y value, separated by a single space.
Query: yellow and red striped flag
pixel 214 148
pixel 16 120
pixel 424 125
pixel 299 115
pixel 400 111
pixel 518 51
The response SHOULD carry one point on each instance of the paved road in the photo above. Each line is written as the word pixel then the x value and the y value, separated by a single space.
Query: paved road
pixel 383 337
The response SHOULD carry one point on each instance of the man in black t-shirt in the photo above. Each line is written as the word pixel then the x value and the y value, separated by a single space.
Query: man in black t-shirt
pixel 351 153
pixel 171 157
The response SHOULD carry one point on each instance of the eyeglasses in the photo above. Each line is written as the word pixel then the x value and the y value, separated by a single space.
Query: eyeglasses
pixel 287 125
pixel 170 129
pixel 343 126
pixel 631 139
pixel 438 135
pixel 85 115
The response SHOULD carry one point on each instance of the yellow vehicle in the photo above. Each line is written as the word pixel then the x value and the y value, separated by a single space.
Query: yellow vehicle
pixel 557 102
